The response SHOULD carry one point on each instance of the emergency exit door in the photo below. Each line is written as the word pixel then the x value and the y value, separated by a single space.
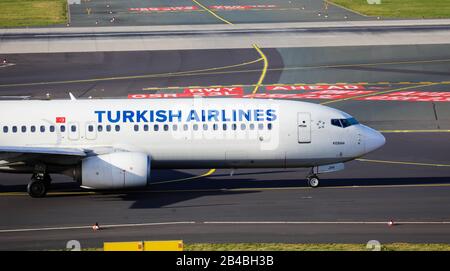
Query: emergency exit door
pixel 304 127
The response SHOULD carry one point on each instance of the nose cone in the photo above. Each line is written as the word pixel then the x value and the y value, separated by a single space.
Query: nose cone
pixel 374 139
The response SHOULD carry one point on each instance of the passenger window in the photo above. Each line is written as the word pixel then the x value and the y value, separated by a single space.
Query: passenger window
pixel 52 128
pixel 24 129
pixel 205 127
pixel 33 129
pixel 117 127
pixel 62 128
pixel 136 128
pixel 5 129
pixel 185 127
pixel 42 128
pixel 261 126
pixel 156 127
pixel 108 128
pixel 174 127
pixel 243 126
pixel 252 126
pixel 73 128
pixel 14 129
pixel 146 127
pixel 224 126
pixel 166 127
pixel 269 126
pixel 99 128
pixel 91 128
pixel 234 126
pixel 215 127
pixel 195 127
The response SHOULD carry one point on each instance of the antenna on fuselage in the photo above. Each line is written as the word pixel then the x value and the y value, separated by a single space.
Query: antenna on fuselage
pixel 72 98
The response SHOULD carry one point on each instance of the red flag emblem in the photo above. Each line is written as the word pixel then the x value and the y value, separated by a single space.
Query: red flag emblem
pixel 60 120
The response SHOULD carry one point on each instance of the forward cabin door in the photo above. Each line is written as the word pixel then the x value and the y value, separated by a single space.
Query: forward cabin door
pixel 304 127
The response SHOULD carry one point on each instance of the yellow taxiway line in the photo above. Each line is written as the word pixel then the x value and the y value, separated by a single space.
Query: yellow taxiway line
pixel 263 73
pixel 211 12
pixel 210 172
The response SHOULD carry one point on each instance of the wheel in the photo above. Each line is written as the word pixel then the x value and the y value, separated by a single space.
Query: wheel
pixel 37 189
pixel 313 181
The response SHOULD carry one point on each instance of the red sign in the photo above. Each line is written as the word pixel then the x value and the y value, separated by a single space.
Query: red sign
pixel 156 9
pixel 60 119
pixel 315 87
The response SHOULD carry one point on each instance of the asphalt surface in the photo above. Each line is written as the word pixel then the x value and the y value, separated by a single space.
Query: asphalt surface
pixel 124 13
pixel 380 69
pixel 405 181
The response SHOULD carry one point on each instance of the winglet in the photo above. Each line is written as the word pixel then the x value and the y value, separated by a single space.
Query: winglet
pixel 72 98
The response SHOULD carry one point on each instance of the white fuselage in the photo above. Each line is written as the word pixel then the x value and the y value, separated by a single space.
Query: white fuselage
pixel 229 133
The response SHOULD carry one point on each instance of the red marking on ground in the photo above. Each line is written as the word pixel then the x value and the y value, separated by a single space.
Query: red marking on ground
pixel 246 7
pixel 233 91
pixel 155 9
pixel 315 87
pixel 311 95
pixel 411 96
pixel 238 92
pixel 188 8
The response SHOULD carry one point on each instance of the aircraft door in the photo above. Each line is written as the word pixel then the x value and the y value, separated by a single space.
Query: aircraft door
pixel 91 131
pixel 74 131
pixel 304 127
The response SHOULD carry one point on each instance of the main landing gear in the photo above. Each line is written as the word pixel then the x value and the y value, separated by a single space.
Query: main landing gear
pixel 313 180
pixel 39 185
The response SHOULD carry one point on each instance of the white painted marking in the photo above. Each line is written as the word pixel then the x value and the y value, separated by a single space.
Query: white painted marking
pixel 326 222
pixel 233 223
pixel 101 226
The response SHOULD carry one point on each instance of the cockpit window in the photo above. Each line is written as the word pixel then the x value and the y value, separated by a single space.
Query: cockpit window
pixel 344 123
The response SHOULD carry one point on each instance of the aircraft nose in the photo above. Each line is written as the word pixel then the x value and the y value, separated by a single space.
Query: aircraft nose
pixel 374 139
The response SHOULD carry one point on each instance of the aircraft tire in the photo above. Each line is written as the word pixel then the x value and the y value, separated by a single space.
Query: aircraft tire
pixel 37 189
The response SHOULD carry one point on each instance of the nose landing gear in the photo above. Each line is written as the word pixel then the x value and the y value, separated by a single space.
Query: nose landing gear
pixel 313 180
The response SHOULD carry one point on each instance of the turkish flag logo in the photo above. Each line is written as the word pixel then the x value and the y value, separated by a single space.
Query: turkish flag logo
pixel 60 120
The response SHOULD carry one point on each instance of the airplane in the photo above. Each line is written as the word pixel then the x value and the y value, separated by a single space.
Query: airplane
pixel 115 143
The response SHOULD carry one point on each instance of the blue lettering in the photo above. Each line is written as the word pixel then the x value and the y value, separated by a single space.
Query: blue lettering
pixel 213 114
pixel 259 114
pixel 271 115
pixel 244 115
pixel 114 120
pixel 193 116
pixel 99 116
pixel 140 116
pixel 128 116
pixel 161 116
pixel 152 116
pixel 172 115
pixel 224 117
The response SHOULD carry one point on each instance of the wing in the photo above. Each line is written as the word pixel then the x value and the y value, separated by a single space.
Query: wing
pixel 10 155
pixel 42 150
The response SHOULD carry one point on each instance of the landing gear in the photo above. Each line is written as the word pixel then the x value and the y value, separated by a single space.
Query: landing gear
pixel 313 181
pixel 39 185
